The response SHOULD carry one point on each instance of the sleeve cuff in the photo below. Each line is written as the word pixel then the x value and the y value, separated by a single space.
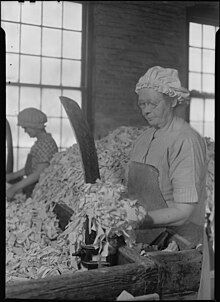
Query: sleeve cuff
pixel 185 195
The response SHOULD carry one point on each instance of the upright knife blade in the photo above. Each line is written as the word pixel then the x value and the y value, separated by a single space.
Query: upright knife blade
pixel 84 139
pixel 89 157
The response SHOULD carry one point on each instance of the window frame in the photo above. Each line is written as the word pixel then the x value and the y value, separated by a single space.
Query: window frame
pixel 86 74
pixel 206 15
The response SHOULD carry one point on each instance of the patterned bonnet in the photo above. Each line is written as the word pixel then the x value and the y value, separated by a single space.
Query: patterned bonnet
pixel 164 80
pixel 32 117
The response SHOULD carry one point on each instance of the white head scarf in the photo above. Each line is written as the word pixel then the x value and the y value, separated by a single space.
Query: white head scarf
pixel 164 80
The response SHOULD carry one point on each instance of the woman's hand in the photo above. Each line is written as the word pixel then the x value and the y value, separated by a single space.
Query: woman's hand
pixel 145 223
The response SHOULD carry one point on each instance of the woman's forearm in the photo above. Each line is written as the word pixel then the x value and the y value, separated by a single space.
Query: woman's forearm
pixel 30 179
pixel 168 216
pixel 14 175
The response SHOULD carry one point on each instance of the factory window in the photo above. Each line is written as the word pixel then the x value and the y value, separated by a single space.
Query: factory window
pixel 202 77
pixel 44 60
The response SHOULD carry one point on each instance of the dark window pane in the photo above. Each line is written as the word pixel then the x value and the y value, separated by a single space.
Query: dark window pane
pixel 51 104
pixel 51 42
pixel 10 10
pixel 30 69
pixel 50 71
pixel 53 127
pixel 12 34
pixel 52 13
pixel 31 12
pixel 71 73
pixel 196 110
pixel 12 63
pixel 72 15
pixel 12 98
pixel 68 136
pixel 72 45
pixel 30 39
pixel 30 97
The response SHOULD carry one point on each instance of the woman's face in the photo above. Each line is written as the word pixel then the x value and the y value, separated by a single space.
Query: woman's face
pixel 155 108
pixel 30 131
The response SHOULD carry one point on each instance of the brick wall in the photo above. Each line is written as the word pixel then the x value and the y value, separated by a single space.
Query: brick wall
pixel 128 38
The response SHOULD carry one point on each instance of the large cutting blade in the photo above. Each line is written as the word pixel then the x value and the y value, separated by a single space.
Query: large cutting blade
pixel 84 139
pixel 89 157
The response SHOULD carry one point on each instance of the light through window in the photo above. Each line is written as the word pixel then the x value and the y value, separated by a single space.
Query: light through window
pixel 43 62
pixel 202 77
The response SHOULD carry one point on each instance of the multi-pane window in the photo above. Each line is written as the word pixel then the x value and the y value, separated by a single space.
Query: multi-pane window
pixel 202 77
pixel 43 61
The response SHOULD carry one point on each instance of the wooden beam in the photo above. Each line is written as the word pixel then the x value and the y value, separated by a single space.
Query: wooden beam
pixel 178 272
pixel 105 284
pixel 165 273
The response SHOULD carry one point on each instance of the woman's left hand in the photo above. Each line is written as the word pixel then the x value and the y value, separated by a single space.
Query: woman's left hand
pixel 145 223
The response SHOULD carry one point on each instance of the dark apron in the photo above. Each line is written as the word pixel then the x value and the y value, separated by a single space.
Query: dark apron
pixel 28 170
pixel 143 185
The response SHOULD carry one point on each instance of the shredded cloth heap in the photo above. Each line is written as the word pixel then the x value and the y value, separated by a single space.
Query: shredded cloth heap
pixel 32 117
pixel 164 80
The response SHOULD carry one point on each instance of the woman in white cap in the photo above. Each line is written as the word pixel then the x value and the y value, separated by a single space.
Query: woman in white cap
pixel 168 167
pixel 33 121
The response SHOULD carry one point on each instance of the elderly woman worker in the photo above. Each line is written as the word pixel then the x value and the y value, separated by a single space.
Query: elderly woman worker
pixel 33 122
pixel 167 172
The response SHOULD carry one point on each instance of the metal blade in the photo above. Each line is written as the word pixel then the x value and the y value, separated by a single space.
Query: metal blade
pixel 84 139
